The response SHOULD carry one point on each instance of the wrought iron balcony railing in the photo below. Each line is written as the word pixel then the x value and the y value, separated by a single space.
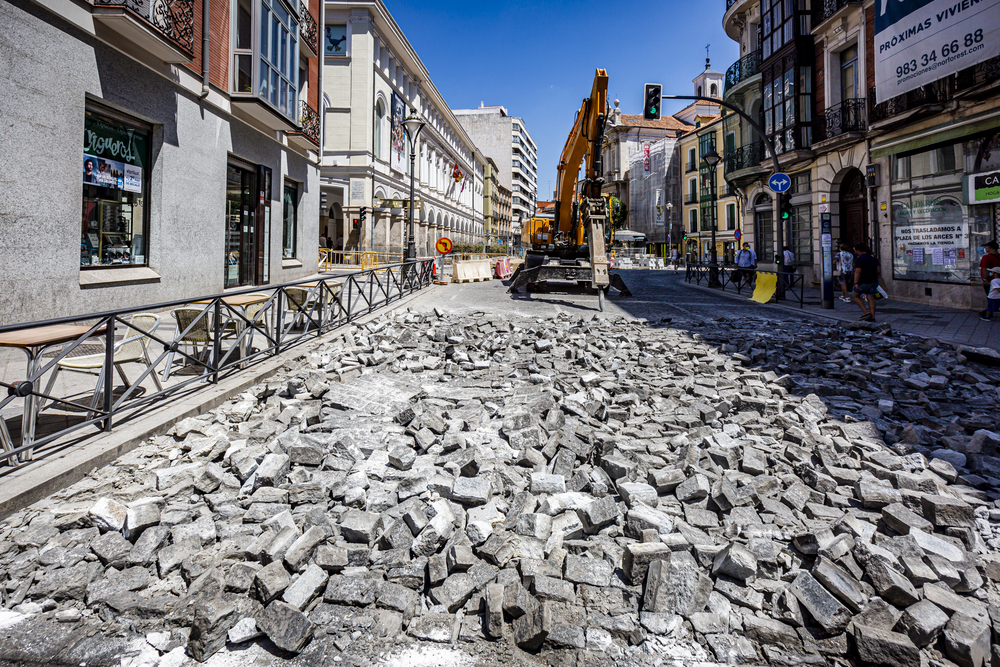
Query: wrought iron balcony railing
pixel 929 94
pixel 308 30
pixel 984 72
pixel 824 9
pixel 744 157
pixel 691 198
pixel 730 3
pixel 743 69
pixel 174 19
pixel 309 121
pixel 848 116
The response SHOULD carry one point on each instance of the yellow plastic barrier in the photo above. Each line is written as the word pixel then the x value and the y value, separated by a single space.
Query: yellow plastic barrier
pixel 353 259
pixel 766 284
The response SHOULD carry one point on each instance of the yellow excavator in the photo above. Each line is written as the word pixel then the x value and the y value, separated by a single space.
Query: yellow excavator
pixel 579 234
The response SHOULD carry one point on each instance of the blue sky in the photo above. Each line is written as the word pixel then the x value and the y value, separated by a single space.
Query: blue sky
pixel 538 59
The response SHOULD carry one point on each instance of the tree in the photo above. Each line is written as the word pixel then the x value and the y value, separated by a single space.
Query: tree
pixel 619 213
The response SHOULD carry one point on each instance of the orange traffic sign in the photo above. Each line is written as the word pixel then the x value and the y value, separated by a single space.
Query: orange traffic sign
pixel 444 245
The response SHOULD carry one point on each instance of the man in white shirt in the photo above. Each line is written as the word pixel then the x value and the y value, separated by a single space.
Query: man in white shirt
pixel 788 266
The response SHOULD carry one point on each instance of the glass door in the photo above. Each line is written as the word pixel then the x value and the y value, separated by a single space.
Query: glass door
pixel 240 258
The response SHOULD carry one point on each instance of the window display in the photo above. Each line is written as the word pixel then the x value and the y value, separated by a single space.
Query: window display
pixel 115 182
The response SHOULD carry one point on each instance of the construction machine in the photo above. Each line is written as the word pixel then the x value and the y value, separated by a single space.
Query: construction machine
pixel 576 240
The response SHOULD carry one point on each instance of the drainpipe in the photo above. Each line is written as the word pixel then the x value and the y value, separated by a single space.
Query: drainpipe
pixel 205 6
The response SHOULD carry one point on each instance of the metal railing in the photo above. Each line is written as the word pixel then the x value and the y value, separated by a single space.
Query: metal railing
pixel 977 75
pixel 932 93
pixel 308 30
pixel 824 9
pixel 743 69
pixel 215 335
pixel 745 280
pixel 174 19
pixel 309 120
pixel 355 259
pixel 744 157
pixel 848 116
pixel 691 198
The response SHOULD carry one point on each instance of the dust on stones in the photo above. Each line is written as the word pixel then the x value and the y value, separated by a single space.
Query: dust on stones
pixel 595 491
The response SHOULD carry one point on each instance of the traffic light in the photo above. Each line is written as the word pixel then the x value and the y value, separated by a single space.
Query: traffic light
pixel 785 205
pixel 651 101
pixel 364 214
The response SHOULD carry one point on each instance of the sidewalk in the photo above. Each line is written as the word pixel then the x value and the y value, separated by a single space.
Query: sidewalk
pixel 961 327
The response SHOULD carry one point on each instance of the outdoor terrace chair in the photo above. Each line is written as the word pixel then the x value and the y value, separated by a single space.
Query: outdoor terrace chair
pixel 194 330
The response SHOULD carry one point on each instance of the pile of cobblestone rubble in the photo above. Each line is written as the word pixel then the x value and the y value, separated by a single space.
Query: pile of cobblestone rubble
pixel 602 492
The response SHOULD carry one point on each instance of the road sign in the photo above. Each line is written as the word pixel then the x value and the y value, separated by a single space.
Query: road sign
pixel 779 182
pixel 379 202
pixel 738 234
pixel 444 245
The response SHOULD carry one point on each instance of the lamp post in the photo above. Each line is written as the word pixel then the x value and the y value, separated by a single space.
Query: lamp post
pixel 712 159
pixel 413 124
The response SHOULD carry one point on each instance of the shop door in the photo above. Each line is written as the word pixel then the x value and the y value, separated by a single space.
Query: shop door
pixel 241 227
pixel 853 229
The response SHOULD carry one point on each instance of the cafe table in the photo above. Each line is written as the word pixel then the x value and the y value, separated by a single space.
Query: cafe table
pixel 33 342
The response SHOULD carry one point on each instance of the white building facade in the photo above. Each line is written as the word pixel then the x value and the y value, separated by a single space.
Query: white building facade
pixel 506 140
pixel 374 79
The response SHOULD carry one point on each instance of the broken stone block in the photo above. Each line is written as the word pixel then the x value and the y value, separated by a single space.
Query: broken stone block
pixel 360 527
pixel 922 622
pixel 139 517
pixel 270 581
pixel 591 571
pixel 735 561
pixel 108 514
pixel 694 488
pixel 676 586
pixel 945 512
pixel 286 626
pixel 825 609
pixel 967 641
pixel 901 519
pixel 531 629
pixel 839 581
pixel 472 490
pixel 884 647
pixel 493 625
pixel 596 515
pixel 545 483
pixel 213 617
pixel 890 584
pixel 306 588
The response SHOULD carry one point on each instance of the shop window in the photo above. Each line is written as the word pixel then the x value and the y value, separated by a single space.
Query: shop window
pixel 802 238
pixel 335 40
pixel 290 220
pixel 116 163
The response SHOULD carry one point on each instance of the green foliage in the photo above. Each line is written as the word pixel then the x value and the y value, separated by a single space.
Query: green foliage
pixel 619 213
pixel 467 248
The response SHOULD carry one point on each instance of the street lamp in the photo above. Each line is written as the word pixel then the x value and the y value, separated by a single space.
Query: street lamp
pixel 712 159
pixel 413 124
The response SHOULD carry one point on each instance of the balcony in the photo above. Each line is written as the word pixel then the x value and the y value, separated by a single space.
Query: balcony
pixel 162 28
pixel 742 70
pixel 691 198
pixel 933 93
pixel 984 73
pixel 743 163
pixel 824 10
pixel 309 136
pixel 842 119
pixel 308 32
pixel 729 20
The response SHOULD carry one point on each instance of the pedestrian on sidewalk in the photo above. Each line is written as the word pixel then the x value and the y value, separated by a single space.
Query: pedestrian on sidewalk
pixel 788 266
pixel 746 262
pixel 675 258
pixel 845 265
pixel 993 298
pixel 990 260
pixel 866 275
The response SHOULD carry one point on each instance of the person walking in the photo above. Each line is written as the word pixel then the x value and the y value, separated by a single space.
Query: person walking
pixel 866 274
pixel 746 261
pixel 845 263
pixel 990 260
pixel 675 258
pixel 993 298
pixel 788 266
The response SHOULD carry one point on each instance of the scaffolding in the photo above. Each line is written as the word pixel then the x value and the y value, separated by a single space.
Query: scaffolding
pixel 654 182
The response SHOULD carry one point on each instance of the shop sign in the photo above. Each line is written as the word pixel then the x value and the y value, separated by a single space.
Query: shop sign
pixel 984 188
pixel 918 42
pixel 645 157
pixel 113 155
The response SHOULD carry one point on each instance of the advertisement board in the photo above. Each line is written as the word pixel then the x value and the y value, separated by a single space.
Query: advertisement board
pixel 918 42
pixel 984 188
pixel 397 134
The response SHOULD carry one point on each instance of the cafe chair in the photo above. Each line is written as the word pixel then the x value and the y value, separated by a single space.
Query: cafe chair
pixel 301 301
pixel 134 348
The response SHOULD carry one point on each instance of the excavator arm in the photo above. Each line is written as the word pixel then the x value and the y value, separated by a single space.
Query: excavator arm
pixel 584 140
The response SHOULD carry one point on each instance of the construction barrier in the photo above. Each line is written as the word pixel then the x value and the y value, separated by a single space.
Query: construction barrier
pixel 766 284
pixel 353 259
pixel 503 270
pixel 471 271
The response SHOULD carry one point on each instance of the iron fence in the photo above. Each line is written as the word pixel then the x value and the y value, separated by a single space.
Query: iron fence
pixel 744 157
pixel 848 116
pixel 309 120
pixel 308 29
pixel 745 280
pixel 743 69
pixel 174 19
pixel 215 336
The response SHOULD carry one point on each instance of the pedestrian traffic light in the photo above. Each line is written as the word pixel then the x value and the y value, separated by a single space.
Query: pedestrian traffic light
pixel 364 214
pixel 651 104
pixel 785 205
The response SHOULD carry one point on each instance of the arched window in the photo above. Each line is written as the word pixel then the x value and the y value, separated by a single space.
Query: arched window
pixel 379 123
pixel 699 91
pixel 715 90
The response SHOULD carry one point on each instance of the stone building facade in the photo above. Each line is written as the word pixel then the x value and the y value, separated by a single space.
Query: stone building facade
pixel 156 161
pixel 373 79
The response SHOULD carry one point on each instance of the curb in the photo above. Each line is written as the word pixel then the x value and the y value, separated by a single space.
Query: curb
pixel 56 472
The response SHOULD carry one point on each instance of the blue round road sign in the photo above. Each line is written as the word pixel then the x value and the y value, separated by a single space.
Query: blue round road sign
pixel 738 235
pixel 779 182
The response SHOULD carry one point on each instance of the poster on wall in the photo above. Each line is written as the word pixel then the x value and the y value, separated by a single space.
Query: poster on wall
pixel 931 238
pixel 397 135
pixel 918 42
pixel 984 188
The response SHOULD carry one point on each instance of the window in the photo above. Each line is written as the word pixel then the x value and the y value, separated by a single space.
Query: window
pixel 279 58
pixel 802 246
pixel 730 217
pixel 692 159
pixel 243 72
pixel 707 216
pixel 692 191
pixel 116 163
pixel 379 124
pixel 788 107
pixel 693 220
pixel 764 230
pixel 849 73
pixel 714 91
pixel 289 217
pixel 801 183
pixel 335 40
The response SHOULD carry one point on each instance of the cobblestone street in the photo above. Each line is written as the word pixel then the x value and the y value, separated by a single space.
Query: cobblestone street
pixel 481 479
